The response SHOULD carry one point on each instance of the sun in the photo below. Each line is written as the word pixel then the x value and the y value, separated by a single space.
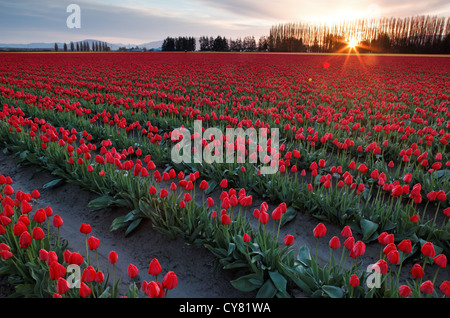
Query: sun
pixel 352 43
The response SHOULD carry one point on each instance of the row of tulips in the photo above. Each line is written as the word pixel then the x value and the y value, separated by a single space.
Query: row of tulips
pixel 285 187
pixel 39 264
pixel 393 257
pixel 273 269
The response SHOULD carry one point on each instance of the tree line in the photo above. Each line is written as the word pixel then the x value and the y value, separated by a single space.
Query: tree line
pixel 217 44
pixel 180 43
pixel 84 46
pixel 420 34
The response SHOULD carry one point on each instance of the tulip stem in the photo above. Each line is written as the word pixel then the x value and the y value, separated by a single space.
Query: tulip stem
pixel 435 275
pixel 331 258
pixel 317 245
pixel 437 210
pixel 114 279
pixel 341 265
pixel 400 267
pixel 87 250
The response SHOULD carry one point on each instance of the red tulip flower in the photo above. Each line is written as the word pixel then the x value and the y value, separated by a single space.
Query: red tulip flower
pixel 428 249
pixel 389 247
pixel 170 281
pixel 57 221
pixel 380 266
pixel 5 254
pixel 441 196
pixel 153 289
pixel 75 258
pixel 93 243
pixel 89 274
pixel 362 168
pixel 277 214
pixel 210 202
pixel 38 233
pixel 335 243
pixel 320 230
pixel 99 277
pixel 152 190
pixel 225 219
pixel 427 287
pixel 8 190
pixel 84 290
pixel 354 281
pixel 62 286
pixel 346 232
pixel 154 268
pixel 112 257
pixel 404 290
pixel 19 228
pixel 85 228
pixel 405 246
pixel 56 270
pixel 52 257
pixel 132 271
pixel 224 183
pixel 24 240
pixel 163 193
pixel 445 288
pixel 358 249
pixel 40 216
pixel 393 257
pixel 417 271
pixel 263 217
pixel 204 185
pixel 289 240
pixel 349 243
pixel 440 260
pixel 25 207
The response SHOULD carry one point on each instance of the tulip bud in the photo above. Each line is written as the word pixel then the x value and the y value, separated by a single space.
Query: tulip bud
pixel 354 280
pixel 170 280
pixel 154 267
pixel 132 271
pixel 320 230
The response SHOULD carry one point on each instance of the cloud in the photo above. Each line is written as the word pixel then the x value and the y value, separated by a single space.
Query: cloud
pixel 138 21
pixel 294 10
pixel 46 21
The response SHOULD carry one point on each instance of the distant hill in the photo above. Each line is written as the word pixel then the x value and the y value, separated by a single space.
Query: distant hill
pixel 148 45
pixel 47 46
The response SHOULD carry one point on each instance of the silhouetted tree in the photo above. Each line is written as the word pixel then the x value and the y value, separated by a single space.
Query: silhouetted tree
pixel 168 44
pixel 205 43
pixel 249 44
pixel 220 44
pixel 263 43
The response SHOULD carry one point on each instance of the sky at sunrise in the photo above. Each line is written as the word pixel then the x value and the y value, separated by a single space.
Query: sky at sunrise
pixel 139 21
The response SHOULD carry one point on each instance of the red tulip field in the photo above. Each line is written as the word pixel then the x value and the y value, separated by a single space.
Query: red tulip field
pixel 94 205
